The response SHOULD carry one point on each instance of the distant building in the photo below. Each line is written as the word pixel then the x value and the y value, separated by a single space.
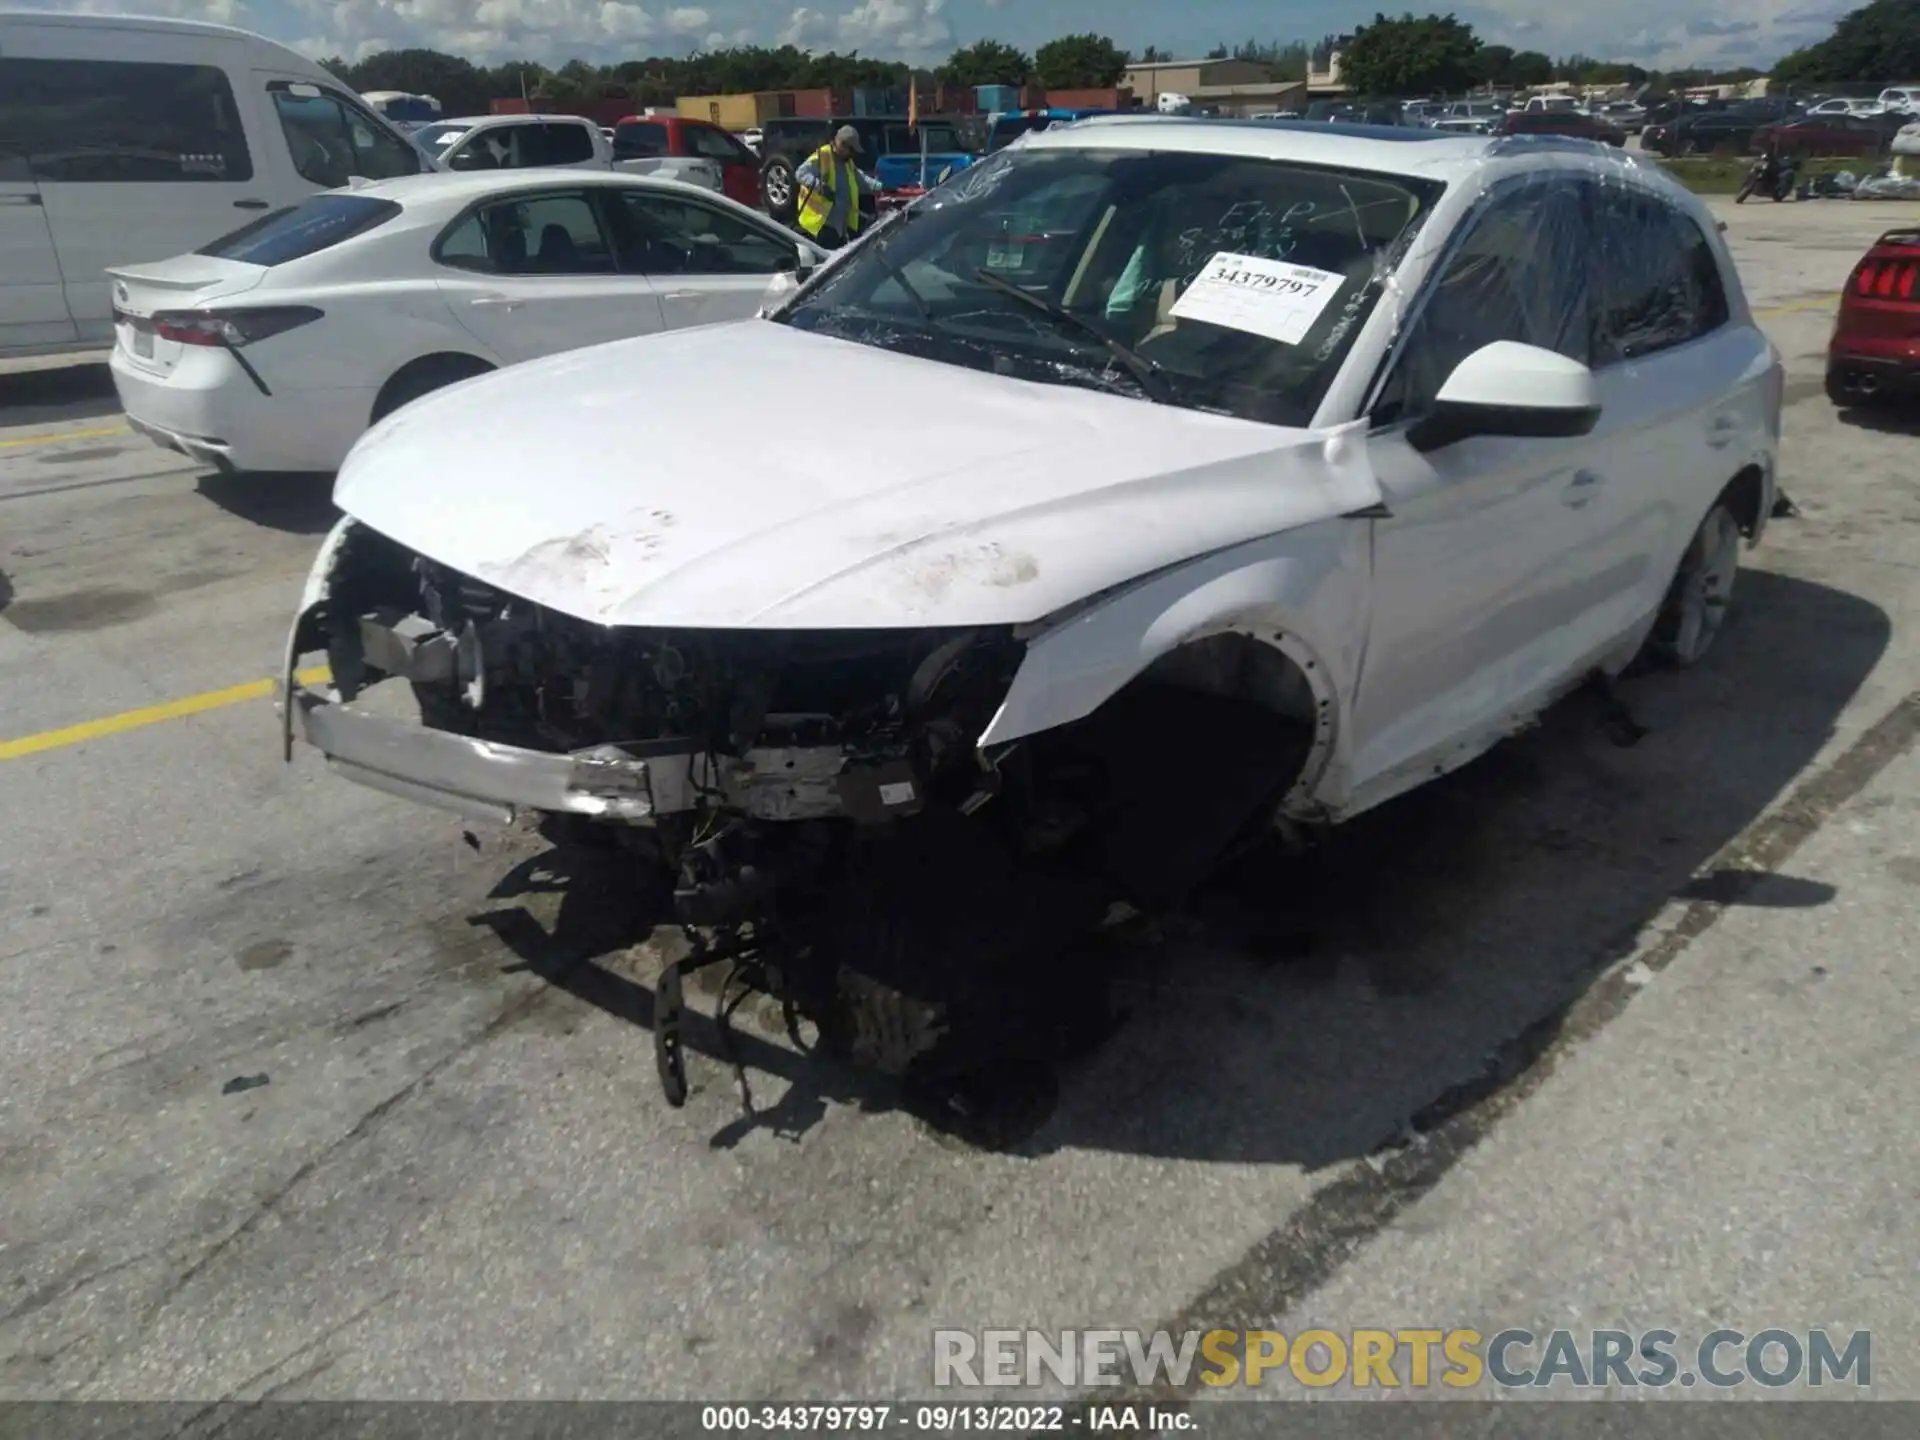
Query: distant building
pixel 1148 79
pixel 1262 98
pixel 1323 75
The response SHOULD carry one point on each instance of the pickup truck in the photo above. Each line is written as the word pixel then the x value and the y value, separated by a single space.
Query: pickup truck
pixel 679 148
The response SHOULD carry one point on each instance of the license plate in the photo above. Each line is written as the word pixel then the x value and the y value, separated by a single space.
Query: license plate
pixel 1006 257
pixel 143 343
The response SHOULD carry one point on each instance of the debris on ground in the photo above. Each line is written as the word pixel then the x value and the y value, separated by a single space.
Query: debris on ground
pixel 239 1084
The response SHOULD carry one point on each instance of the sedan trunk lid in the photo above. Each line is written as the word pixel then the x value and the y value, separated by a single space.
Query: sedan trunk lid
pixel 184 282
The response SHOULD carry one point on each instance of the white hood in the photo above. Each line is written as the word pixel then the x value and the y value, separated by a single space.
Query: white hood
pixel 751 475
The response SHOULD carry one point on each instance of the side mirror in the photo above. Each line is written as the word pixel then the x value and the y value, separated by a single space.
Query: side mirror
pixel 1511 389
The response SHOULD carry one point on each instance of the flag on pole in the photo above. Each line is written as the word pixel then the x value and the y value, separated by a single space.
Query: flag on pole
pixel 913 102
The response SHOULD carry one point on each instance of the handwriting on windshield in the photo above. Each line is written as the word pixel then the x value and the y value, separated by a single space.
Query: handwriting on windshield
pixel 1246 227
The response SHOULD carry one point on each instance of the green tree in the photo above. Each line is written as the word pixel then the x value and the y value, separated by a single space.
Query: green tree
pixel 1879 41
pixel 1079 62
pixel 1411 56
pixel 1496 65
pixel 986 62
pixel 1530 67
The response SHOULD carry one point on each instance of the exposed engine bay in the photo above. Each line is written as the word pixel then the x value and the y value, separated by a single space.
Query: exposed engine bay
pixel 831 829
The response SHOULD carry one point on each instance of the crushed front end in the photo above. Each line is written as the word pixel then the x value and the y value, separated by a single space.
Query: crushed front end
pixel 817 797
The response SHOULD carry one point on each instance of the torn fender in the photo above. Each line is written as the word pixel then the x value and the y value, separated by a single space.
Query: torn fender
pixel 1304 591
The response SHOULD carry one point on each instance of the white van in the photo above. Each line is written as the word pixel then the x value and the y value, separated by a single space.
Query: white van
pixel 130 139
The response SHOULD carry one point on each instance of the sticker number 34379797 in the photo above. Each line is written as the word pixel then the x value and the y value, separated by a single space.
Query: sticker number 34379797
pixel 1274 298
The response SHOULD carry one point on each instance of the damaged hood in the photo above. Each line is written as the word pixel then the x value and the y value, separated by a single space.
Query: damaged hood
pixel 753 475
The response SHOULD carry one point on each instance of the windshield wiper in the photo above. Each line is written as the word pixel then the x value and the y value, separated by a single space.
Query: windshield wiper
pixel 1152 379
pixel 899 276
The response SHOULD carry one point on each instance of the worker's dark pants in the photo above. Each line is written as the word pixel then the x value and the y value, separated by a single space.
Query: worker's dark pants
pixel 831 239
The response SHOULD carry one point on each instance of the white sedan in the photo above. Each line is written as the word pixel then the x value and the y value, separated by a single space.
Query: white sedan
pixel 276 347
pixel 1207 478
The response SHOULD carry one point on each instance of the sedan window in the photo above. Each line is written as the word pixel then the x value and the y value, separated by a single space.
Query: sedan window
pixel 566 144
pixel 302 230
pixel 1230 283
pixel 1519 273
pixel 668 235
pixel 556 234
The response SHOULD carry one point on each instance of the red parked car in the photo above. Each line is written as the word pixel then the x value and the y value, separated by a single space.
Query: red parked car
pixel 659 137
pixel 1559 122
pixel 1875 351
pixel 1865 136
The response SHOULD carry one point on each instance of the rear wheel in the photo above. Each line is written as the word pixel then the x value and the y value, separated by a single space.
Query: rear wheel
pixel 1702 588
pixel 423 377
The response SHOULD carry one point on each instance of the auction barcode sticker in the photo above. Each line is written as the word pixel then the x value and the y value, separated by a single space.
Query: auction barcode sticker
pixel 1263 297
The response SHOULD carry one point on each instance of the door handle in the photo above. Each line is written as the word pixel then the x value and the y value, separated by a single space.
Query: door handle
pixel 19 199
pixel 681 295
pixel 249 204
pixel 494 302
pixel 1582 488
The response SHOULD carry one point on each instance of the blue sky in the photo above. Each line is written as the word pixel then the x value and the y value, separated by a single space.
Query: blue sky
pixel 1718 33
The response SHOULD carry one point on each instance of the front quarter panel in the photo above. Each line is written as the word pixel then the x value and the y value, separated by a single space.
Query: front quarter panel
pixel 1305 591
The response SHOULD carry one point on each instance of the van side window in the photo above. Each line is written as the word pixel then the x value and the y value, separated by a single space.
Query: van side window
pixel 332 140
pixel 107 121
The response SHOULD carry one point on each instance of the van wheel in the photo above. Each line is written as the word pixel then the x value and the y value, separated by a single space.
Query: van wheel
pixel 1702 588
pixel 423 377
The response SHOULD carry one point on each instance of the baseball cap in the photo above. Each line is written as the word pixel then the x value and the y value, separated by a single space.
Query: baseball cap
pixel 848 136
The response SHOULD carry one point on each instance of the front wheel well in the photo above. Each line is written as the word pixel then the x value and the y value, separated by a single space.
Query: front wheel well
pixel 425 374
pixel 1744 496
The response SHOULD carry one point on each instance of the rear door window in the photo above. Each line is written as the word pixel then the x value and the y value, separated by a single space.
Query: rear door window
pixel 565 145
pixel 306 229
pixel 553 233
pixel 716 144
pixel 639 140
pixel 333 140
pixel 126 122
pixel 1660 280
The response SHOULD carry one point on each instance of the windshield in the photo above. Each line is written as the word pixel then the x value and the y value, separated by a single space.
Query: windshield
pixel 414 109
pixel 1238 283
pixel 1009 128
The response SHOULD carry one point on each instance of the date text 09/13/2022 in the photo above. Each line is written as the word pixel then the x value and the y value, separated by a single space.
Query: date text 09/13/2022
pixel 947 1419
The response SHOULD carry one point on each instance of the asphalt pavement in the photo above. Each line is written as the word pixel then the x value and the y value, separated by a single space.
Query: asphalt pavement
pixel 307 1092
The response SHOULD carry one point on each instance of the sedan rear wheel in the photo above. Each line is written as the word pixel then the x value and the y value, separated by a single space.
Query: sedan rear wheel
pixel 1696 603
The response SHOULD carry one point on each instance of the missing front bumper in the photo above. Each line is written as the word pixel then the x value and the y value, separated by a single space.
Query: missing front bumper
pixel 631 784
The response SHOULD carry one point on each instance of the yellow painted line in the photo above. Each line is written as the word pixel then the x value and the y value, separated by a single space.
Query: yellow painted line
pixel 66 435
pixel 1796 308
pixel 151 715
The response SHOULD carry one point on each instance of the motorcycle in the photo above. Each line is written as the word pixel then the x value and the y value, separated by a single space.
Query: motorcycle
pixel 1770 177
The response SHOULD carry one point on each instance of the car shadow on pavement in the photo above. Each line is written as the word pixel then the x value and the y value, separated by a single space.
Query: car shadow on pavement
pixel 1883 420
pixel 43 396
pixel 296 504
pixel 1307 1009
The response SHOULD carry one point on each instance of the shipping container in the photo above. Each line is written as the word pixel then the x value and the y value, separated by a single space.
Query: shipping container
pixel 731 112
pixel 1120 99
pixel 819 104
pixel 879 101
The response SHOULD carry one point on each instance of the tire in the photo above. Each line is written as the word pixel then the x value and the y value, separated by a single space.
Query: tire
pixel 1745 191
pixel 423 377
pixel 776 189
pixel 1696 603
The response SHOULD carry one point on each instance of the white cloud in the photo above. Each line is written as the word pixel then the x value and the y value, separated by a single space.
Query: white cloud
pixel 1654 33
pixel 907 29
pixel 548 30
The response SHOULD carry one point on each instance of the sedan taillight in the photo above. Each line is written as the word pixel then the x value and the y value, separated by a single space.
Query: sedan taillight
pixel 230 329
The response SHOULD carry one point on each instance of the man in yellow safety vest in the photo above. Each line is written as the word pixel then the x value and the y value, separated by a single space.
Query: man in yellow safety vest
pixel 830 189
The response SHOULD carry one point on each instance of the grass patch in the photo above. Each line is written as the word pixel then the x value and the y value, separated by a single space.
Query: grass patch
pixel 1723 174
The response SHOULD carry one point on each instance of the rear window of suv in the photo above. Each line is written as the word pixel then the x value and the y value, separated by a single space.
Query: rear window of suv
pixel 302 230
